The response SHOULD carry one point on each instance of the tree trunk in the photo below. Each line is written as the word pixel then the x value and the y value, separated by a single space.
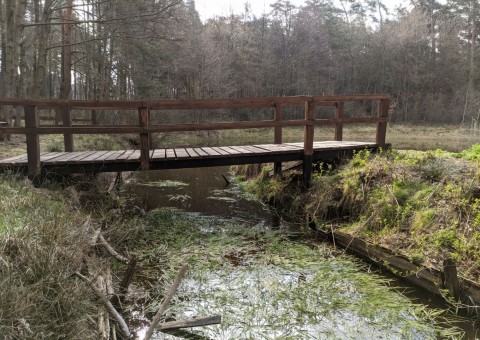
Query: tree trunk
pixel 66 86
pixel 40 67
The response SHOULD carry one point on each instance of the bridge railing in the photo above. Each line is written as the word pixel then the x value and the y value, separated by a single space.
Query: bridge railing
pixel 145 128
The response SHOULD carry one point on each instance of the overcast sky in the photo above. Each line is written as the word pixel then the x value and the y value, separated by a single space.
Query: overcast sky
pixel 212 8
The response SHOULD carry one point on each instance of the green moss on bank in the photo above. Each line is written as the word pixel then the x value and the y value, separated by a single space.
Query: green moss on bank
pixel 425 205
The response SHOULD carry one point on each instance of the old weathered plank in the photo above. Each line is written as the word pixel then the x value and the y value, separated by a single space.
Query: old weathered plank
pixel 181 153
pixel 170 153
pixel 159 154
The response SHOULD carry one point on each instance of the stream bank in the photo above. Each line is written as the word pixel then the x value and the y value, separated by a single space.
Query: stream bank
pixel 408 211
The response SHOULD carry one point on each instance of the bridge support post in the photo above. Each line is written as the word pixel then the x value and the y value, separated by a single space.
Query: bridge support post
pixel 382 126
pixel 145 138
pixel 277 166
pixel 308 143
pixel 33 142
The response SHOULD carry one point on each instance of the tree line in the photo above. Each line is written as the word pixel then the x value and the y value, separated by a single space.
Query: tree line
pixel 424 55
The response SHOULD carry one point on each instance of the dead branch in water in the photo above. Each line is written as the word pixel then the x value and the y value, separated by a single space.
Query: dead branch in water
pixel 166 302
pixel 195 322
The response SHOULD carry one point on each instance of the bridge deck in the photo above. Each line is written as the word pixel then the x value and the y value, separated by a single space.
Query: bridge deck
pixel 129 160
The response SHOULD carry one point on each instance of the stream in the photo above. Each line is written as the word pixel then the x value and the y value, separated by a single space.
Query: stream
pixel 265 281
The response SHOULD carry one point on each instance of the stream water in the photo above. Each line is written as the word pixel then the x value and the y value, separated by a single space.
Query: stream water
pixel 293 292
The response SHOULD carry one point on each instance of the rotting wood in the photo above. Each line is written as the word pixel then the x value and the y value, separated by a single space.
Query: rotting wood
pixel 450 278
pixel 195 322
pixel 166 302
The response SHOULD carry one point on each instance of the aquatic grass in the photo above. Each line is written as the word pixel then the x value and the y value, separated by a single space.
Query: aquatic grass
pixel 266 286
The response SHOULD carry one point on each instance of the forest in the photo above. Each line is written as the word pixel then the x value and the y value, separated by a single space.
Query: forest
pixel 424 54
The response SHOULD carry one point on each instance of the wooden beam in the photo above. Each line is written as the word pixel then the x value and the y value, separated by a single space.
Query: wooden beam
pixel 278 137
pixel 121 129
pixel 67 122
pixel 145 138
pixel 382 125
pixel 348 98
pixel 339 124
pixel 308 143
pixel 188 104
pixel 33 142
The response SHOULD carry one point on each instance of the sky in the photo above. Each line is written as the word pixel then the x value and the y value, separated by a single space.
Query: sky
pixel 212 8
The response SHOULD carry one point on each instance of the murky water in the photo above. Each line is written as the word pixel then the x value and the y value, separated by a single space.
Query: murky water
pixel 274 294
pixel 204 190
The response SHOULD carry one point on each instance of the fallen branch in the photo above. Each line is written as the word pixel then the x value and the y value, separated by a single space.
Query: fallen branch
pixel 127 278
pixel 115 182
pixel 112 251
pixel 166 302
pixel 196 322
pixel 108 305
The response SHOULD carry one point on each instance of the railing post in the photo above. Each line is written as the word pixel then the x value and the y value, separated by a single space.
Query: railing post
pixel 277 166
pixel 33 142
pixel 93 117
pixel 145 138
pixel 382 126
pixel 338 124
pixel 308 143
pixel 67 122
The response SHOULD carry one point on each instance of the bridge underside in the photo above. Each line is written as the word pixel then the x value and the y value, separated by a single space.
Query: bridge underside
pixel 129 160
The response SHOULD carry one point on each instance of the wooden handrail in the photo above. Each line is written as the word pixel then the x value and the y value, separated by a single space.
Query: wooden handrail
pixel 123 129
pixel 145 127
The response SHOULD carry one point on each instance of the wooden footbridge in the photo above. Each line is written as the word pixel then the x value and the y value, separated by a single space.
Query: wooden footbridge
pixel 35 164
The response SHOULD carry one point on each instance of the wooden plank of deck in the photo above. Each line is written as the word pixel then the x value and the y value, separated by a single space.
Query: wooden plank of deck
pixel 220 151
pixel 170 153
pixel 210 151
pixel 93 157
pixel 82 157
pixel 134 156
pixel 181 153
pixel 192 153
pixel 230 150
pixel 71 162
pixel 13 160
pixel 51 155
pixel 114 156
pixel 158 154
pixel 125 156
pixel 65 158
pixel 200 152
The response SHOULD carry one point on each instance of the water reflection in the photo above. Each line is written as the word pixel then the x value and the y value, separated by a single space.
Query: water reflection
pixel 202 190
